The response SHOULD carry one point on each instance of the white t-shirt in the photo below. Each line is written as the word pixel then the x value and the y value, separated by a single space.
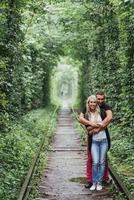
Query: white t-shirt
pixel 102 134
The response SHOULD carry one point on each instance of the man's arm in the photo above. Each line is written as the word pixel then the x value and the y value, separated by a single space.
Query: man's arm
pixel 84 121
pixel 108 119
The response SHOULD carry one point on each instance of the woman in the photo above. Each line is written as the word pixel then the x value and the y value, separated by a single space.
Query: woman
pixel 99 141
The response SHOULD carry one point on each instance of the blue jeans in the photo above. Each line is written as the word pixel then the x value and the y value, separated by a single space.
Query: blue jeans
pixel 98 152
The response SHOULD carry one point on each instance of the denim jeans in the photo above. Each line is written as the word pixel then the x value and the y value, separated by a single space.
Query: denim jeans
pixel 98 152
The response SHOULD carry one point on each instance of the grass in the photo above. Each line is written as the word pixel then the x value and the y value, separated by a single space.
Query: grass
pixel 18 147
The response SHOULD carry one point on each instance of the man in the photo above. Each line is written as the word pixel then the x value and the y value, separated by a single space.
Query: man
pixel 101 102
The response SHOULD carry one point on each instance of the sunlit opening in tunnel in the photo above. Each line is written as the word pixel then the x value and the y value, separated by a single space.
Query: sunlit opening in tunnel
pixel 64 83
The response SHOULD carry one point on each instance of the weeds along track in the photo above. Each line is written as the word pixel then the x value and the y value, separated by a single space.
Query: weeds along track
pixel 26 187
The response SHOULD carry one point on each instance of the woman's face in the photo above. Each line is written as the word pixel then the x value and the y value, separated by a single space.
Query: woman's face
pixel 92 104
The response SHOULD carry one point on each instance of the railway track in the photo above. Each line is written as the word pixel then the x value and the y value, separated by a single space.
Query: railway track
pixel 68 157
pixel 26 187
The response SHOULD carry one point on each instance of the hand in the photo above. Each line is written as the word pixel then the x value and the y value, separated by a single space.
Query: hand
pixel 101 124
pixel 93 131
pixel 96 130
pixel 95 125
pixel 89 128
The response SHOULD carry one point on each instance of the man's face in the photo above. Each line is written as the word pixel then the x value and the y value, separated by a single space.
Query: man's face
pixel 100 99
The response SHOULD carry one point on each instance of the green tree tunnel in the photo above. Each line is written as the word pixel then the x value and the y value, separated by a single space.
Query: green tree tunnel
pixel 62 51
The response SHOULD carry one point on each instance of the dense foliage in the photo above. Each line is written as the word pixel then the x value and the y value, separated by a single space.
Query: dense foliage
pixel 99 35
pixel 18 148
pixel 27 56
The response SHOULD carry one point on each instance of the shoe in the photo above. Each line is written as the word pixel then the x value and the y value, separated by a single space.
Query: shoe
pixel 98 187
pixel 92 187
pixel 88 185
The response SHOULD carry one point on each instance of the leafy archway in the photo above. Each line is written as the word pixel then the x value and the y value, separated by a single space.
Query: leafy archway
pixel 64 82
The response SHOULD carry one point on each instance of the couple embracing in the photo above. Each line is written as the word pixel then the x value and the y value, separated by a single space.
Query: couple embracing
pixel 96 116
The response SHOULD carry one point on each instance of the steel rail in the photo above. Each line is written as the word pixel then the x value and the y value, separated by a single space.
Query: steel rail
pixel 23 195
pixel 115 177
pixel 117 180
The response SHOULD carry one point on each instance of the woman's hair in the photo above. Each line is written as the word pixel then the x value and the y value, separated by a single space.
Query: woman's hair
pixel 88 112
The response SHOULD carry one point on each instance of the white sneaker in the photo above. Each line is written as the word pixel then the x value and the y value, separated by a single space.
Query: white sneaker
pixel 98 187
pixel 92 187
